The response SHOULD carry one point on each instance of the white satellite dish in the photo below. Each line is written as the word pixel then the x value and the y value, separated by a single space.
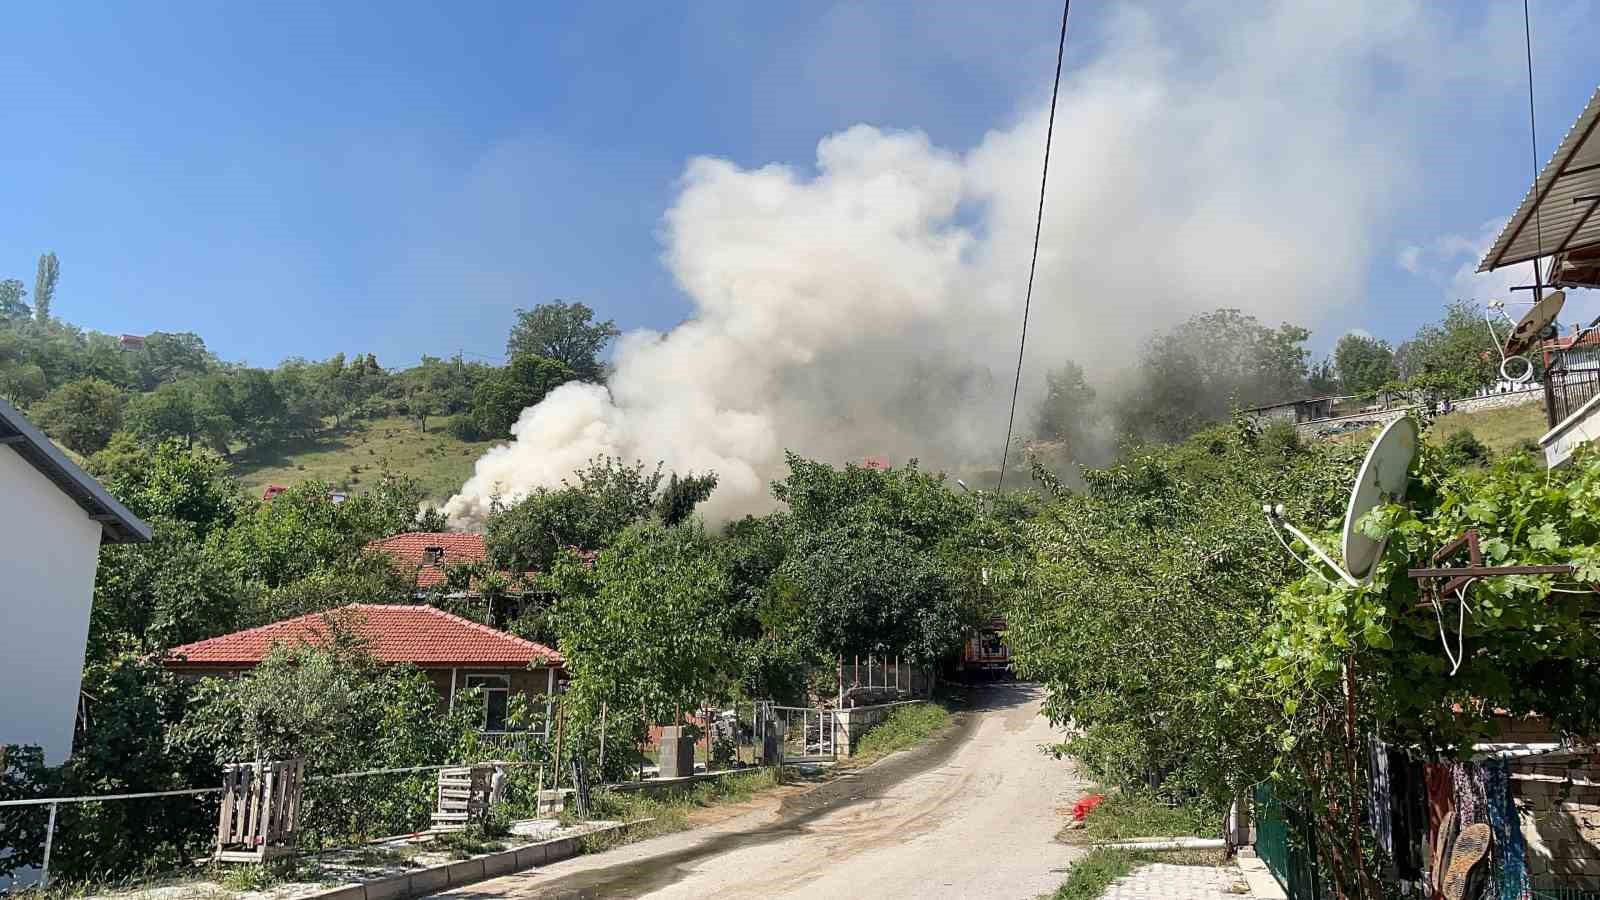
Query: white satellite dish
pixel 1383 476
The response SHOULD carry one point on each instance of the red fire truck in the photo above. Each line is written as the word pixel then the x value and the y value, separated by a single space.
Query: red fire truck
pixel 986 655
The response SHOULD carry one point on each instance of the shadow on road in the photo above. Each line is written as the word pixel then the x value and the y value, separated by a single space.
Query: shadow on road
pixel 795 813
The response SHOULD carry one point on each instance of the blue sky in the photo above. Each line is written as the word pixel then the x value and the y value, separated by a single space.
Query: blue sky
pixel 302 179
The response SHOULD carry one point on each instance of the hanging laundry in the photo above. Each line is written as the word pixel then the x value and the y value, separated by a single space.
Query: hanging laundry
pixel 1510 850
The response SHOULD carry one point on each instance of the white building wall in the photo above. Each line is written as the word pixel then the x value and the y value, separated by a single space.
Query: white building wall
pixel 49 549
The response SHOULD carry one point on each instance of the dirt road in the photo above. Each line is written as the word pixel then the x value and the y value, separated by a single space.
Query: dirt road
pixel 969 816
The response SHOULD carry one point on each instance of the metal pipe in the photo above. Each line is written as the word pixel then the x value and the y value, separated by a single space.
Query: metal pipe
pixel 49 841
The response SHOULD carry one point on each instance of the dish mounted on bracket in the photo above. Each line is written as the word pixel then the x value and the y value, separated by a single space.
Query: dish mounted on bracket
pixel 1535 325
pixel 1382 477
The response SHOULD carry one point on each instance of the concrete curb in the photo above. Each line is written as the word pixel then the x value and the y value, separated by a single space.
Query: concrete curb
pixel 431 880
pixel 664 783
pixel 1260 878
pixel 1174 843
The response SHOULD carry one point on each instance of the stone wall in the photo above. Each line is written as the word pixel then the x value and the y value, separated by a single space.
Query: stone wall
pixel 851 724
pixel 1560 820
pixel 1465 404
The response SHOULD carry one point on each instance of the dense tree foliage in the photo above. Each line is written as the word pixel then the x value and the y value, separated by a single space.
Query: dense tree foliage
pixel 565 332
pixel 1160 567
pixel 588 511
pixel 1364 363
pixel 499 399
pixel 1196 373
pixel 642 626
pixel 82 414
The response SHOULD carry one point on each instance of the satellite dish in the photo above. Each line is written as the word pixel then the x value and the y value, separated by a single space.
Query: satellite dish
pixel 1530 329
pixel 1383 474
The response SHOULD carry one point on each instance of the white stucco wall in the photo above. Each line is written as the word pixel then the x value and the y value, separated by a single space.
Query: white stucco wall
pixel 49 549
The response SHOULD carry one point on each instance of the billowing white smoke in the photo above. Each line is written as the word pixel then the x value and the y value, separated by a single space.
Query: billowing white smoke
pixel 871 307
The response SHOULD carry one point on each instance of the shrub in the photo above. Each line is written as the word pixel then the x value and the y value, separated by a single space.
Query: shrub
pixel 464 427
pixel 1463 448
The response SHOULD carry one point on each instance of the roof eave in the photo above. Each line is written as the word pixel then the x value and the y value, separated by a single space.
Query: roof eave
pixel 118 525
pixel 1582 130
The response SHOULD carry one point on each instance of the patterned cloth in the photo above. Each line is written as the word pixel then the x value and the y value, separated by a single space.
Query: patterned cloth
pixel 1510 853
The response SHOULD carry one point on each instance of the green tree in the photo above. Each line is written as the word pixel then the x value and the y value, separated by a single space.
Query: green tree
pixel 22 380
pixel 641 627
pixel 12 307
pixel 171 356
pixel 1067 413
pixel 587 513
pixel 170 481
pixel 332 705
pixel 679 496
pixel 428 390
pixel 1199 371
pixel 304 531
pixel 872 557
pixel 565 332
pixel 1364 363
pixel 130 707
pixel 81 414
pixel 256 407
pixel 44 286
pixel 1322 379
pixel 169 412
pixel 1149 583
pixel 172 591
pixel 500 398
pixel 1457 352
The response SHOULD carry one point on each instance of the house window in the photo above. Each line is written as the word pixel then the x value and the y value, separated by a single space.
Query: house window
pixel 496 699
pixel 433 556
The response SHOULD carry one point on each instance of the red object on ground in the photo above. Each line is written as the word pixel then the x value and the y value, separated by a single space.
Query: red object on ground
pixel 1082 808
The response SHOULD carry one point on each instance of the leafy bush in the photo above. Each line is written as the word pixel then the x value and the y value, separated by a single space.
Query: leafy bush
pixel 464 427
pixel 1463 448
pixel 1125 815
pixel 340 711
pixel 903 728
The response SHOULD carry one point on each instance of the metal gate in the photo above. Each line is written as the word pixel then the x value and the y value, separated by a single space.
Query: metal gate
pixel 1286 842
pixel 805 734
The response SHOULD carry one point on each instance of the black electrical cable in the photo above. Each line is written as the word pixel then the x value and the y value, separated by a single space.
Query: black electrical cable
pixel 1533 140
pixel 1033 264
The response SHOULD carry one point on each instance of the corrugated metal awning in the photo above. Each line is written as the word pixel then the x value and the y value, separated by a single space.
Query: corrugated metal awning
pixel 1561 213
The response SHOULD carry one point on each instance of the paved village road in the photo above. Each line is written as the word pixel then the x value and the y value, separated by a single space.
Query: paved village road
pixel 970 816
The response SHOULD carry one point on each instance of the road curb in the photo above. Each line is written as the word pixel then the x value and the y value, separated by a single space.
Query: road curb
pixel 431 880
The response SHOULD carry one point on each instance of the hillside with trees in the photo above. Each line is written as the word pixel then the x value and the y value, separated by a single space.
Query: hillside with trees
pixel 338 420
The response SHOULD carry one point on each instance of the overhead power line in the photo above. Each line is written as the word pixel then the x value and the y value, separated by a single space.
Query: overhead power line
pixel 1038 227
pixel 1533 140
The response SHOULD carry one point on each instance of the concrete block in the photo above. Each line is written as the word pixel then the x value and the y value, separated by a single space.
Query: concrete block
pixel 342 892
pixel 528 857
pixel 466 871
pixel 677 752
pixel 428 881
pixel 500 863
pixel 563 848
pixel 396 888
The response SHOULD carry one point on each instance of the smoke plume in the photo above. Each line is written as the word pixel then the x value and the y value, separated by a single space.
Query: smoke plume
pixel 1207 155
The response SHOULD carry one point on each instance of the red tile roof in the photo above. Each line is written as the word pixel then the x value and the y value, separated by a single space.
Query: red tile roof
pixel 407 551
pixel 422 635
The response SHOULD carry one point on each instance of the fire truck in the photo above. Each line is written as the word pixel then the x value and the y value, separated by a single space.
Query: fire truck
pixel 986 655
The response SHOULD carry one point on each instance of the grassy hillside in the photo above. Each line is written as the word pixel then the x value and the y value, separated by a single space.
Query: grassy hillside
pixel 1500 429
pixel 358 454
